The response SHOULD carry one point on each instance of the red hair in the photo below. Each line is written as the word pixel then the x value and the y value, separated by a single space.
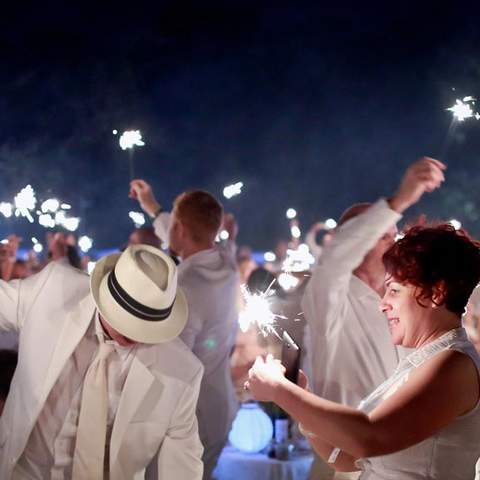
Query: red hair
pixel 436 257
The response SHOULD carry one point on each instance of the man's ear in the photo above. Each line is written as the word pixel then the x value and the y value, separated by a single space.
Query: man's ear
pixel 439 293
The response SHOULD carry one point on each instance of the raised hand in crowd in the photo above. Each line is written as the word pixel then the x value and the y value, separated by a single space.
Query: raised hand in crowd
pixel 57 245
pixel 230 225
pixel 8 256
pixel 424 175
pixel 142 191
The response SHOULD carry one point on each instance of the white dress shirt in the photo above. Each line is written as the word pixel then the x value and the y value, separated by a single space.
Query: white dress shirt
pixel 350 347
pixel 51 445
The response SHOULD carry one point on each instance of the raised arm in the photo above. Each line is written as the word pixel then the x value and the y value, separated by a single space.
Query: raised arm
pixel 354 239
pixel 142 191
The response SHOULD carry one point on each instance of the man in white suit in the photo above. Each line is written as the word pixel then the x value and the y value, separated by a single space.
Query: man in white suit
pixel 208 275
pixel 110 352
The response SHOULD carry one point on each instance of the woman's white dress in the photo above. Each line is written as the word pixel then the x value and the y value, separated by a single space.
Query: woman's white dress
pixel 452 452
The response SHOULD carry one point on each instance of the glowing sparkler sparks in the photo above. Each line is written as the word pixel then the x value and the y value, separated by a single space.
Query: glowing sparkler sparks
pixel 330 224
pixel 224 235
pixel 130 139
pixel 6 209
pixel 463 109
pixel 455 224
pixel 138 218
pixel 85 243
pixel 46 220
pixel 232 190
pixel 287 281
pixel 298 260
pixel 25 201
pixel 50 205
pixel 269 257
pixel 291 213
pixel 37 246
pixel 258 312
pixel 69 223
pixel 295 231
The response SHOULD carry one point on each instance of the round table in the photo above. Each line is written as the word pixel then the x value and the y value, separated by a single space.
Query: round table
pixel 236 465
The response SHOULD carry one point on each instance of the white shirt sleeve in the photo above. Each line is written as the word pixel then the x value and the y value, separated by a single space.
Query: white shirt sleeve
pixel 161 225
pixel 327 288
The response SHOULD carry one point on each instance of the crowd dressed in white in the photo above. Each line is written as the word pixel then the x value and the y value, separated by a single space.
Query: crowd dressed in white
pixel 137 370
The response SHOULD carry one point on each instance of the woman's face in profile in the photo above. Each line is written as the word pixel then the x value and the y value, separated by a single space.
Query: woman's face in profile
pixel 407 320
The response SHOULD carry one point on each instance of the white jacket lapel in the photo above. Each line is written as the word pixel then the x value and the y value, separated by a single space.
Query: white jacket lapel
pixel 138 383
pixel 74 328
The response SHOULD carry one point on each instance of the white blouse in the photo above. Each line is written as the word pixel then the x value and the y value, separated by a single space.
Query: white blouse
pixel 452 452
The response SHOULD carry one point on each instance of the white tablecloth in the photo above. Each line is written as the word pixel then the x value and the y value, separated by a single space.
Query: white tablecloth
pixel 236 465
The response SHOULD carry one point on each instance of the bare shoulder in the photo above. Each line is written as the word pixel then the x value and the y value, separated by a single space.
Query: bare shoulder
pixel 448 382
pixel 450 366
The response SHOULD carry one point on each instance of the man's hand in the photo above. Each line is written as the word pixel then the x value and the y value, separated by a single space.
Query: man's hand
pixel 8 256
pixel 142 191
pixel 57 245
pixel 425 175
pixel 230 225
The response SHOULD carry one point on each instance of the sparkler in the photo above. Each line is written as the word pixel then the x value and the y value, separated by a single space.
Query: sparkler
pixel 287 281
pixel 258 311
pixel 269 257
pixel 128 140
pixel 37 246
pixel 24 202
pixel 462 109
pixel 138 218
pixel 233 190
pixel 85 243
pixel 50 205
pixel 295 231
pixel 46 220
pixel 6 209
pixel 455 224
pixel 69 223
pixel 291 213
pixel 224 235
pixel 298 260
pixel 330 224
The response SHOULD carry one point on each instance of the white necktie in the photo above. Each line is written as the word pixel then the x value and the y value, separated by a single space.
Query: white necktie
pixel 88 460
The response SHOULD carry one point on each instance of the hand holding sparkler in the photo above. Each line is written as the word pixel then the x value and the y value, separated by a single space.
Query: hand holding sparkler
pixel 424 175
pixel 230 226
pixel 142 191
pixel 264 378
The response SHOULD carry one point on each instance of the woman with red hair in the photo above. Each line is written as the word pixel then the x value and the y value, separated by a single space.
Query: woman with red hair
pixel 424 421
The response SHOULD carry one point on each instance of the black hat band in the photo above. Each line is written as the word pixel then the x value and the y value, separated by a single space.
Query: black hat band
pixel 133 307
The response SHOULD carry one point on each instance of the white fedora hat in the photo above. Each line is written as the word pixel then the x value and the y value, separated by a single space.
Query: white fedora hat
pixel 136 293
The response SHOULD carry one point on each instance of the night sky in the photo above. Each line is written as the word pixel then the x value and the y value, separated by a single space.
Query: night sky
pixel 312 107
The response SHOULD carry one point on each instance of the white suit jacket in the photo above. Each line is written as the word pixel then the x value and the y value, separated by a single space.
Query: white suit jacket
pixel 155 427
pixel 349 343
